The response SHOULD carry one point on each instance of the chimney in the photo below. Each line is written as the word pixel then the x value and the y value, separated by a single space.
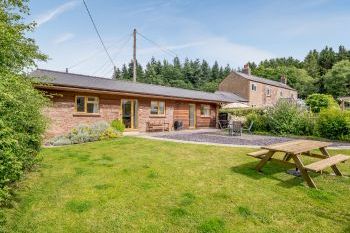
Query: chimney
pixel 283 79
pixel 246 69
pixel 66 70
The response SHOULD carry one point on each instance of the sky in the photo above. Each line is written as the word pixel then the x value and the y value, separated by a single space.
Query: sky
pixel 228 31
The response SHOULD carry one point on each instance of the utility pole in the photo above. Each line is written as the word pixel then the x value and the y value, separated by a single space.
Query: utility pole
pixel 134 60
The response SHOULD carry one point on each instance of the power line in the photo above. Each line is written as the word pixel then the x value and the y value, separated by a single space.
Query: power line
pixel 118 51
pixel 165 50
pixel 121 39
pixel 98 34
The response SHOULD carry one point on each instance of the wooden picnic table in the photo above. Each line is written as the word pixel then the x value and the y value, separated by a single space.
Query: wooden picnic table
pixel 295 150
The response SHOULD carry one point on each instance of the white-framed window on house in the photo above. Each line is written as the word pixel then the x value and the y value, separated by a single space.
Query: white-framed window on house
pixel 157 108
pixel 205 110
pixel 87 104
pixel 253 87
pixel 268 91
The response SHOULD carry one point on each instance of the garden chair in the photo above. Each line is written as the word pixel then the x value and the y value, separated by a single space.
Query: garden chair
pixel 249 129
pixel 235 128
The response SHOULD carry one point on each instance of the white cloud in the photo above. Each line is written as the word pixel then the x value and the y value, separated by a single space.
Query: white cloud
pixel 213 49
pixel 228 52
pixel 63 38
pixel 51 14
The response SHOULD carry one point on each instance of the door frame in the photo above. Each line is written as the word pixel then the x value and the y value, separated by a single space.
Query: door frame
pixel 195 116
pixel 132 112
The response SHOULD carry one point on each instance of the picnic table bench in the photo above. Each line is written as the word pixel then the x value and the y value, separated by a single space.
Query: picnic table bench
pixel 295 150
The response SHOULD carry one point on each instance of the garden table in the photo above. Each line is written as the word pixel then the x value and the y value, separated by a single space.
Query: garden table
pixel 296 150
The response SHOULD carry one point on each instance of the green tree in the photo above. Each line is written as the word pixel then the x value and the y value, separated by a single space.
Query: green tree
pixel 296 78
pixel 17 51
pixel 311 64
pixel 317 102
pixel 21 121
pixel 337 80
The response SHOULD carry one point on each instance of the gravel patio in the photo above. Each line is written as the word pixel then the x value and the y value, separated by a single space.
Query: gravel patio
pixel 214 136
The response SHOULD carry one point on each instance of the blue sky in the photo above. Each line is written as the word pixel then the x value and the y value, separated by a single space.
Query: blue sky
pixel 231 32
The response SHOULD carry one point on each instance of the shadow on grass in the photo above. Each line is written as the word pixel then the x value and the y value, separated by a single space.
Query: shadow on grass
pixel 269 171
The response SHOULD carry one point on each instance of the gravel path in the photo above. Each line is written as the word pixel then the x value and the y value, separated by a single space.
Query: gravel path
pixel 222 138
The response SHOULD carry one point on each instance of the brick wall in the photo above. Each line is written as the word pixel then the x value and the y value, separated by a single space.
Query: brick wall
pixel 63 117
pixel 236 84
pixel 259 98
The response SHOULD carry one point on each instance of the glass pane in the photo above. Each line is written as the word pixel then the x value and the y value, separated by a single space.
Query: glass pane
pixel 191 115
pixel 154 107
pixel 126 108
pixel 92 99
pixel 162 108
pixel 92 107
pixel 136 108
pixel 80 104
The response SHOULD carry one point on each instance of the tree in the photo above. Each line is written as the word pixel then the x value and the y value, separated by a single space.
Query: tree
pixel 317 102
pixel 337 80
pixel 17 51
pixel 21 121
pixel 296 78
pixel 311 64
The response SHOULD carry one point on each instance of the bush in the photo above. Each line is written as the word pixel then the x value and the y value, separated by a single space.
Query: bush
pixel 317 102
pixel 243 111
pixel 334 124
pixel 118 125
pixel 87 133
pixel 287 118
pixel 260 123
pixel 21 128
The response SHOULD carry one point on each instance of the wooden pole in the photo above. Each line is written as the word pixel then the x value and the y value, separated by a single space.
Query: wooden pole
pixel 134 57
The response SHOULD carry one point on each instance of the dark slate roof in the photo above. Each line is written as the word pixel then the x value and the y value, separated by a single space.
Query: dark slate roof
pixel 231 95
pixel 263 80
pixel 58 78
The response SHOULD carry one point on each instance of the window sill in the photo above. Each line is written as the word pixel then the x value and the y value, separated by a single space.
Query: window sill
pixel 157 116
pixel 205 116
pixel 86 114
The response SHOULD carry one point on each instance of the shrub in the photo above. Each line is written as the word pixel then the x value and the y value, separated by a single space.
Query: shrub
pixel 287 118
pixel 260 123
pixel 317 102
pixel 118 125
pixel 334 124
pixel 243 111
pixel 21 127
pixel 86 133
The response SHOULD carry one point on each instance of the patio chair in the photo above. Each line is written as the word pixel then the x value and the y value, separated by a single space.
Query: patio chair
pixel 235 128
pixel 249 129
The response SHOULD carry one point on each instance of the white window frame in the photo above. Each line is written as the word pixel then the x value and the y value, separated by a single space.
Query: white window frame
pixel 253 87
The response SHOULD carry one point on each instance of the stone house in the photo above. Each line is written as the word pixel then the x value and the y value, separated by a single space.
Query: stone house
pixel 86 99
pixel 259 92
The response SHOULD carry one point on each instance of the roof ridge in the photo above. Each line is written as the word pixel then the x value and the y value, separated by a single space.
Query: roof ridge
pixel 126 81
pixel 267 79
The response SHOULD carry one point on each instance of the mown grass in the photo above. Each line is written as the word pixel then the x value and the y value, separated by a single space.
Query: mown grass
pixel 139 185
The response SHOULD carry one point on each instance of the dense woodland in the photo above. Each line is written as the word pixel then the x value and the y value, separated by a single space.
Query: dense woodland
pixel 320 72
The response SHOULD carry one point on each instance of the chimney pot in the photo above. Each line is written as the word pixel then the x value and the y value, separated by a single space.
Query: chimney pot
pixel 283 79
pixel 246 69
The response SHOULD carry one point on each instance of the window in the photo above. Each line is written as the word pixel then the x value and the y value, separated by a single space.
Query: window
pixel 268 91
pixel 87 104
pixel 157 108
pixel 253 87
pixel 281 93
pixel 205 110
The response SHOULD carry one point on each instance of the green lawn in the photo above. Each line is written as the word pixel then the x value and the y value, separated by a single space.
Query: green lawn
pixel 138 185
